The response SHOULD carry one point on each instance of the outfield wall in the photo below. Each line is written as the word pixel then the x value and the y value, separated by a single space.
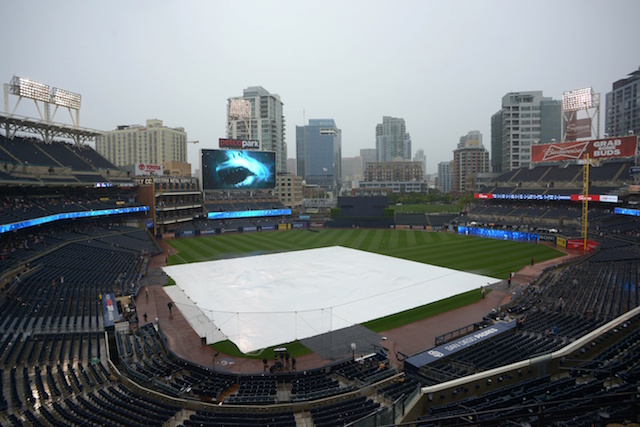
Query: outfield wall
pixel 491 233
pixel 238 229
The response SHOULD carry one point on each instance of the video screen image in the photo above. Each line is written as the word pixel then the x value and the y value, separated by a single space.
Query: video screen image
pixel 238 169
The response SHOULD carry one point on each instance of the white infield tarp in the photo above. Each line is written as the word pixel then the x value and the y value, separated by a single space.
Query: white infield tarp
pixel 266 300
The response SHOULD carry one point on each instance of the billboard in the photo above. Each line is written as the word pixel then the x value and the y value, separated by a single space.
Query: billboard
pixel 238 169
pixel 148 169
pixel 578 128
pixel 555 197
pixel 624 146
pixel 239 144
pixel 248 214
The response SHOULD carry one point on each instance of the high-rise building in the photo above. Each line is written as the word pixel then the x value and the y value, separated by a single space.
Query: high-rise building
pixel 292 166
pixel 258 114
pixel 319 153
pixel 392 140
pixel 420 157
pixel 352 168
pixel 527 118
pixel 496 142
pixel 623 106
pixel 445 178
pixel 368 155
pixel 469 159
pixel 151 144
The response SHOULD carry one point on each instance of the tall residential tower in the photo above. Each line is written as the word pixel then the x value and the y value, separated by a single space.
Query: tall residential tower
pixel 392 140
pixel 469 159
pixel 623 106
pixel 153 143
pixel 257 114
pixel 526 119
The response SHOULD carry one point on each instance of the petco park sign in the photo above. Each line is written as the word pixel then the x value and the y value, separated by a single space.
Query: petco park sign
pixel 624 146
pixel 239 144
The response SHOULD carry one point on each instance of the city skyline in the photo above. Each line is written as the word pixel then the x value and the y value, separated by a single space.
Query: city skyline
pixel 444 69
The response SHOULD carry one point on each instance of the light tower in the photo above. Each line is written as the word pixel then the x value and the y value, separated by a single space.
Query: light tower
pixel 574 102
pixel 44 97
pixel 42 93
pixel 239 115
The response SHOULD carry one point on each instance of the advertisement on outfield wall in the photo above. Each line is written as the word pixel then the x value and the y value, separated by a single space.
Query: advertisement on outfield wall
pixel 491 233
pixel 624 146
pixel 578 244
pixel 548 237
pixel 561 242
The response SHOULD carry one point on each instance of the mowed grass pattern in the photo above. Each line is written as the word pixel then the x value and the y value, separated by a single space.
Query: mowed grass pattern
pixel 495 258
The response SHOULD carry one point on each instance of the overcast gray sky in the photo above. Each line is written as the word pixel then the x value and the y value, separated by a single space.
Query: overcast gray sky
pixel 441 65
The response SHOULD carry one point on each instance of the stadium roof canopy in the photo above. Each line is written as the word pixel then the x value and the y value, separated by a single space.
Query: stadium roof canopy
pixel 12 123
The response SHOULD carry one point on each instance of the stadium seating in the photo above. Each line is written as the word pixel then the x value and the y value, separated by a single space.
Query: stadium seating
pixel 53 358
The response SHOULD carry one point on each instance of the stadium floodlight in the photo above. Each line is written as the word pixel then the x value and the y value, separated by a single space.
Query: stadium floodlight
pixel 239 108
pixel 64 98
pixel 30 89
pixel 579 99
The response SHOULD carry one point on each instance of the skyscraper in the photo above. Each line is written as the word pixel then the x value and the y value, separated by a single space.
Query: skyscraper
pixel 352 168
pixel 469 159
pixel 420 157
pixel 623 106
pixel 496 142
pixel 392 140
pixel 368 155
pixel 526 118
pixel 445 178
pixel 319 153
pixel 263 120
pixel 292 166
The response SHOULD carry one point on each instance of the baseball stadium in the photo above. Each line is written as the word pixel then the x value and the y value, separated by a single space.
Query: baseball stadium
pixel 145 300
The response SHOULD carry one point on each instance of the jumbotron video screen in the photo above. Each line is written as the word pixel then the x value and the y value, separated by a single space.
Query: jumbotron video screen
pixel 238 169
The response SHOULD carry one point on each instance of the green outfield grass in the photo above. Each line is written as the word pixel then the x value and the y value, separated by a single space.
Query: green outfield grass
pixel 495 258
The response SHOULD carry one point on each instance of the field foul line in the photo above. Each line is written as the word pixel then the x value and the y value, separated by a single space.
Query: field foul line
pixel 184 260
